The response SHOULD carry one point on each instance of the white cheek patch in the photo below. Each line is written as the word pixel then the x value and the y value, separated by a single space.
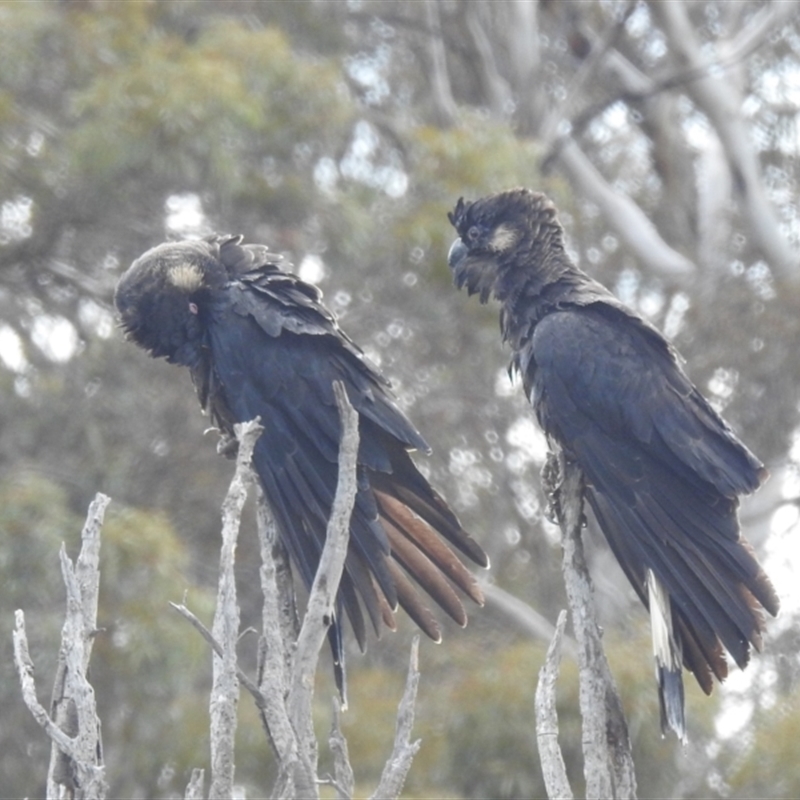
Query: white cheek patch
pixel 504 238
pixel 187 277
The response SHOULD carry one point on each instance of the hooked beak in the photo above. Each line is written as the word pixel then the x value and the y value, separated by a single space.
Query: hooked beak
pixel 458 252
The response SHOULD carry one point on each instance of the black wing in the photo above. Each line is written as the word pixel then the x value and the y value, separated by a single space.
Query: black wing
pixel 274 352
pixel 662 472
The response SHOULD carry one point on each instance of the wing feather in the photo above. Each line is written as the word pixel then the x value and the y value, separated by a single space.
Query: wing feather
pixel 263 367
pixel 662 473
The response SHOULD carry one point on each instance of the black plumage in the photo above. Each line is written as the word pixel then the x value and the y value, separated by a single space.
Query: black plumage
pixel 259 343
pixel 662 470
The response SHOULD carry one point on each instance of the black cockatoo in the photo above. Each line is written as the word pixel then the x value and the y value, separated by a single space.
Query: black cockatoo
pixel 259 343
pixel 662 469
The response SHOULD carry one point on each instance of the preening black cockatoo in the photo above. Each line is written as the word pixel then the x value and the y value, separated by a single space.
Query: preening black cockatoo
pixel 259 343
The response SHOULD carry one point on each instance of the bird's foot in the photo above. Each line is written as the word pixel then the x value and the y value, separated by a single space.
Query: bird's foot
pixel 552 476
pixel 228 445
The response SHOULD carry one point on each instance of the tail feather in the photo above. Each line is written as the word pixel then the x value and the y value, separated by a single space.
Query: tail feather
pixel 671 701
pixel 399 531
pixel 336 643
pixel 698 592
pixel 426 574
pixel 413 604
pixel 704 658
pixel 423 537
pixel 348 600
pixel 760 585
pixel 703 519
pixel 712 575
pixel 358 576
pixel 407 485
pixel 685 535
pixel 627 531
pixel 668 653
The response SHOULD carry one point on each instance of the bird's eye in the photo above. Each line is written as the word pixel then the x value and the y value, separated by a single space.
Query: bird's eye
pixel 473 233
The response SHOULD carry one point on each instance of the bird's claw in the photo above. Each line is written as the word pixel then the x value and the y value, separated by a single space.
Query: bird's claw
pixel 228 444
pixel 552 478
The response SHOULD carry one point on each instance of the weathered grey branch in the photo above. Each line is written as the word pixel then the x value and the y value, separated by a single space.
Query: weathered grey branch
pixel 598 54
pixel 24 664
pixel 495 85
pixel 87 572
pixel 194 789
pixel 623 214
pixel 225 683
pixel 321 609
pixel 243 677
pixel 444 104
pixel 297 776
pixel 278 577
pixel 525 616
pixel 286 669
pixel 275 656
pixel 554 771
pixel 344 780
pixel 608 763
pixel 714 206
pixel 721 103
pixel 522 39
pixel 394 773
pixel 285 687
pixel 76 761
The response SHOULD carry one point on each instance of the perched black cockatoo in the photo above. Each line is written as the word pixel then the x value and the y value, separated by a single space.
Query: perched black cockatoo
pixel 662 470
pixel 259 343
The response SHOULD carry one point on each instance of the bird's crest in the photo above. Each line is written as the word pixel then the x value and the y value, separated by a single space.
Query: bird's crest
pixel 457 214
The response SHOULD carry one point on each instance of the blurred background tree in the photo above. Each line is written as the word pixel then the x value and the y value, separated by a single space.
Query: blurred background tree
pixel 341 133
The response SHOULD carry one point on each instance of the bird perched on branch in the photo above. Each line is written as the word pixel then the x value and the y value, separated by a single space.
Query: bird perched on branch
pixel 259 343
pixel 662 470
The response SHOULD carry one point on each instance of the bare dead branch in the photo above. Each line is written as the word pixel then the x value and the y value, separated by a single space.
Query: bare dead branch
pixel 344 780
pixel 244 678
pixel 286 669
pixel 394 773
pixel 321 608
pixel 275 658
pixel 444 104
pixel 495 85
pixel 554 771
pixel 225 630
pixel 194 789
pixel 722 103
pixel 623 214
pixel 608 763
pixel 87 570
pixel 525 616
pixel 276 577
pixel 76 758
pixel 24 664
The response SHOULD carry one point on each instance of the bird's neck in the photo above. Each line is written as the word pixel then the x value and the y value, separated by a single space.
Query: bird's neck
pixel 531 290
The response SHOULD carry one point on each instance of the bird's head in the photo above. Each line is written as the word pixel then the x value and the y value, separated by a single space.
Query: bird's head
pixel 162 297
pixel 503 240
